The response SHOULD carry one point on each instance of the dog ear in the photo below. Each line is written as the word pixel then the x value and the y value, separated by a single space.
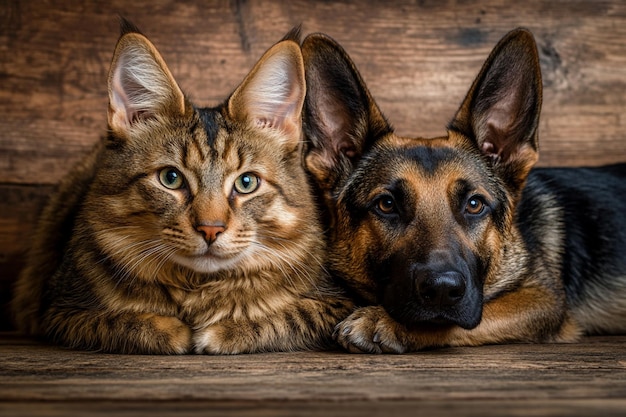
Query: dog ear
pixel 501 110
pixel 341 120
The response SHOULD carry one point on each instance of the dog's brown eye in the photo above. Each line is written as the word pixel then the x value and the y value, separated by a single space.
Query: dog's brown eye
pixel 475 205
pixel 386 205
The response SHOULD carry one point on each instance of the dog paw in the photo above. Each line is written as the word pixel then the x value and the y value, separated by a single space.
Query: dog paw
pixel 370 330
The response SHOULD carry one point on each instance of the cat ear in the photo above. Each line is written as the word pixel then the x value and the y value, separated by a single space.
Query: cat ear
pixel 272 95
pixel 141 86
pixel 501 110
pixel 341 118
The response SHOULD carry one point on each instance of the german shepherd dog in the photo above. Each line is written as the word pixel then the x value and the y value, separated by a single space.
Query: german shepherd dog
pixel 457 240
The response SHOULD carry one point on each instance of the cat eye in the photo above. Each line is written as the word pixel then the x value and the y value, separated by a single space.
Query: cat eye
pixel 171 178
pixel 475 205
pixel 247 183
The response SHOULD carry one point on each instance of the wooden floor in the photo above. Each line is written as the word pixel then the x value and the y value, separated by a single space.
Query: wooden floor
pixel 583 379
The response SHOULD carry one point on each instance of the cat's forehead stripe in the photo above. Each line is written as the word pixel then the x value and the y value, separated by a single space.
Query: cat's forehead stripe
pixel 193 150
pixel 210 120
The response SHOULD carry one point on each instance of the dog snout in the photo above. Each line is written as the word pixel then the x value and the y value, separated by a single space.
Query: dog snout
pixel 444 289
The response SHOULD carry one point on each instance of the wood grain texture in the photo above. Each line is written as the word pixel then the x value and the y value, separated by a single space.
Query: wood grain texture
pixel 418 58
pixel 568 379
pixel 357 408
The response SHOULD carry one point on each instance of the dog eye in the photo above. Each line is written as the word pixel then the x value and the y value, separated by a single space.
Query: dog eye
pixel 475 205
pixel 386 205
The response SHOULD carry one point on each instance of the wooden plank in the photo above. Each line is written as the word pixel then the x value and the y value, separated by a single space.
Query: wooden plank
pixel 594 368
pixel 185 407
pixel 571 379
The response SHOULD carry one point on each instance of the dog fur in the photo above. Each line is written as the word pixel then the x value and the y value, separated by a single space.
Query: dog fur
pixel 458 240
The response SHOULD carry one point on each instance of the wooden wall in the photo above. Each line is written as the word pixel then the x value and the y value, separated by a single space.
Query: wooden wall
pixel 418 58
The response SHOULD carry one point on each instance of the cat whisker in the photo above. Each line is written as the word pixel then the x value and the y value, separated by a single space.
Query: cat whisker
pixel 134 259
pixel 299 268
pixel 299 246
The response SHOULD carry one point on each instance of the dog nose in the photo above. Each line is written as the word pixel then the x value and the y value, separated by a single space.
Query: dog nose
pixel 211 231
pixel 443 289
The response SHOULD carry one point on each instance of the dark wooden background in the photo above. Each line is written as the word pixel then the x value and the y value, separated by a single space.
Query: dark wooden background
pixel 418 58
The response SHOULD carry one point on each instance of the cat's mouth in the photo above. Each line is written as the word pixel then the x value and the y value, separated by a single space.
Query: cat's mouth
pixel 209 261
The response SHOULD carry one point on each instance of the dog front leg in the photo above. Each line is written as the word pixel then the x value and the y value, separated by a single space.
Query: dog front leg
pixel 529 314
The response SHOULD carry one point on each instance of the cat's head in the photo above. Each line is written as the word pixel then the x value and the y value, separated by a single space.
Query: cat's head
pixel 210 189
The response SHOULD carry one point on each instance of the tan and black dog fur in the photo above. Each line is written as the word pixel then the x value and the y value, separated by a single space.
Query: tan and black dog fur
pixel 457 240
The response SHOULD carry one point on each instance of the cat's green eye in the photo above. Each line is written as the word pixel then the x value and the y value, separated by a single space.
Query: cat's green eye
pixel 171 178
pixel 246 183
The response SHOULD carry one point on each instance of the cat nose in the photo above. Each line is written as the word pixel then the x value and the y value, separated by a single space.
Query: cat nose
pixel 211 231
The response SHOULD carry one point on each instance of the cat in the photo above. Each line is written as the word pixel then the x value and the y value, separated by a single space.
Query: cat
pixel 187 229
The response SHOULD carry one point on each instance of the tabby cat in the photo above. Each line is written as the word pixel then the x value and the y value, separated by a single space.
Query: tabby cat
pixel 187 229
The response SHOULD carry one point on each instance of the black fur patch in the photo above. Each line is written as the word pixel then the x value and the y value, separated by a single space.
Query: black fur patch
pixel 210 119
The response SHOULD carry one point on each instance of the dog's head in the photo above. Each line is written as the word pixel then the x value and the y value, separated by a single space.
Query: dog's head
pixel 418 225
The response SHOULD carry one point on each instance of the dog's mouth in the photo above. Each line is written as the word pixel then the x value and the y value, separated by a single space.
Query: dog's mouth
pixel 417 316
pixel 434 299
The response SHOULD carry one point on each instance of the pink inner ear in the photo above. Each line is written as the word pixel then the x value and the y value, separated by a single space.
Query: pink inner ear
pixel 489 148
pixel 121 115
pixel 348 151
pixel 263 123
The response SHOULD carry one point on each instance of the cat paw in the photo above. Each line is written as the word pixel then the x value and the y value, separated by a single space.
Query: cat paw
pixel 214 340
pixel 177 334
pixel 370 330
